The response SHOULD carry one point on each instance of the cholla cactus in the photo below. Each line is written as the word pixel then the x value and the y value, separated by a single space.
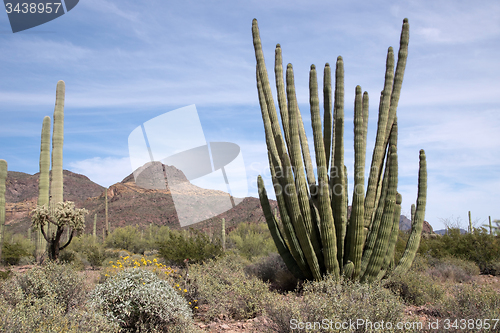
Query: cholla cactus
pixel 62 216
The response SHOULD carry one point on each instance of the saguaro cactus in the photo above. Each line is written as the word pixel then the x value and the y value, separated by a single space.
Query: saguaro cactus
pixel 3 177
pixel 106 211
pixel 223 240
pixel 317 237
pixel 94 231
pixel 44 180
pixel 52 210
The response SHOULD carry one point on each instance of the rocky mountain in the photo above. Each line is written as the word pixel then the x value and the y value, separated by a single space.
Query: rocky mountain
pixel 130 204
pixel 405 225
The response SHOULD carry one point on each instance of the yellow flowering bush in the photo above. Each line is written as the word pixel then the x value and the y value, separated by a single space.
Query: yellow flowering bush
pixel 176 277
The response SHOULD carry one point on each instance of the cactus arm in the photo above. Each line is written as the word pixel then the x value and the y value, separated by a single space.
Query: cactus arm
pixel 379 149
pixel 328 236
pixel 283 250
pixel 327 113
pixel 375 225
pixel 355 234
pixel 266 88
pixel 417 225
pixel 56 187
pixel 297 220
pixel 300 181
pixel 298 140
pixel 398 76
pixel 288 228
pixel 348 270
pixel 280 89
pixel 382 241
pixel 338 171
pixel 271 144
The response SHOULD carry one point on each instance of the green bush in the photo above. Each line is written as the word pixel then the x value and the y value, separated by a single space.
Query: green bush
pixel 251 240
pixel 226 289
pixel 139 301
pixel 479 247
pixel 95 255
pixel 180 246
pixel 13 252
pixel 127 238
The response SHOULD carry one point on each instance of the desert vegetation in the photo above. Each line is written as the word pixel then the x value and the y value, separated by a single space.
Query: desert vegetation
pixel 138 286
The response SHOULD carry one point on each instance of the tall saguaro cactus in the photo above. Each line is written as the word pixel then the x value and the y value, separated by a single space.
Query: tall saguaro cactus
pixel 44 180
pixel 317 237
pixel 3 177
pixel 52 210
pixel 56 188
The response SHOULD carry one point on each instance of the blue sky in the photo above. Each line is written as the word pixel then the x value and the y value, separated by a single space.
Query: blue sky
pixel 125 62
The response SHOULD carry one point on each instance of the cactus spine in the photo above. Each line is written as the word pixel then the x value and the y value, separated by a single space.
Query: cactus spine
pixel 3 177
pixel 317 238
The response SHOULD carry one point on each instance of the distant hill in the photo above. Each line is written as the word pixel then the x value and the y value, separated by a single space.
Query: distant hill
pixel 128 204
pixel 405 225
pixel 443 231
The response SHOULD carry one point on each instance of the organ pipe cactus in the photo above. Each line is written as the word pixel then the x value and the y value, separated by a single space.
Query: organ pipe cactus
pixel 3 177
pixel 316 237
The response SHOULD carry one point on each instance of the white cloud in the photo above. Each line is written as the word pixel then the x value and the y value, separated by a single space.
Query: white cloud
pixel 103 171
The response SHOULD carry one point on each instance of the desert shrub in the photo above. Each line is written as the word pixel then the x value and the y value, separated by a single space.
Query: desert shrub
pixel 52 280
pixel 226 289
pixel 16 248
pixel 181 246
pixel 415 287
pixel 13 252
pixel 127 238
pixel 471 301
pixel 139 301
pixel 251 240
pixel 272 269
pixel 4 275
pixel 454 269
pixel 47 315
pixel 336 301
pixel 143 262
pixel 95 255
pixel 154 234
pixel 479 247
